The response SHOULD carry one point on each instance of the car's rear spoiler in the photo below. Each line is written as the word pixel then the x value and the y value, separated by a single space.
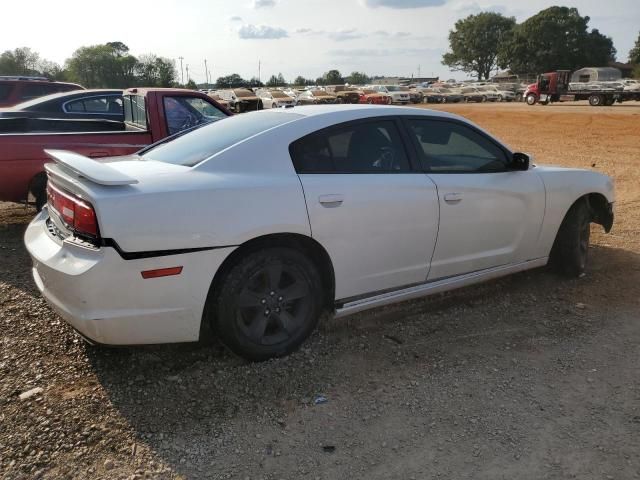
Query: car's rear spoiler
pixel 85 167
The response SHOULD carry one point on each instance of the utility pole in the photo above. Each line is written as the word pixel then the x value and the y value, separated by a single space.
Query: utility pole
pixel 206 72
pixel 258 70
pixel 188 73
pixel 418 71
pixel 181 71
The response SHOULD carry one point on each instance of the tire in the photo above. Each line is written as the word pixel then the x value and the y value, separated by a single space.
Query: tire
pixel 274 105
pixel 38 189
pixel 609 101
pixel 531 99
pixel 571 247
pixel 484 98
pixel 370 101
pixel 500 98
pixel 518 97
pixel 268 304
pixel 596 100
pixel 339 100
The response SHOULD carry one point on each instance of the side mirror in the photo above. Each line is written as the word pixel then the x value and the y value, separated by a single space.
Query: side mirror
pixel 520 161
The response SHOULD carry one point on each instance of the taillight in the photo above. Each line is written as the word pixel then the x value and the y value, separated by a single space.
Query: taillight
pixel 77 214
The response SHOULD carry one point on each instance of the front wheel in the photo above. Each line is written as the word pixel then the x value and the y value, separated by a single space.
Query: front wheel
pixel 268 304
pixel 531 99
pixel 571 247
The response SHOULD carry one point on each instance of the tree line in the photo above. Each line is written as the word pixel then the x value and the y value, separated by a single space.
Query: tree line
pixel 332 77
pixel 110 65
pixel 556 38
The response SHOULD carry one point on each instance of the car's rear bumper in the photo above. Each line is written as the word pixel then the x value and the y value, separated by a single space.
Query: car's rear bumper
pixel 105 298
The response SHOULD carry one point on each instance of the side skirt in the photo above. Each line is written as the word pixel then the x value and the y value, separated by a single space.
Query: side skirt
pixel 435 286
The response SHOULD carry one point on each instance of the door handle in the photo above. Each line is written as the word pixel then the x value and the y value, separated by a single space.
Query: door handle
pixel 453 198
pixel 331 201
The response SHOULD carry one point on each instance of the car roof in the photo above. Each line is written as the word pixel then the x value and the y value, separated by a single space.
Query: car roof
pixel 361 111
pixel 65 95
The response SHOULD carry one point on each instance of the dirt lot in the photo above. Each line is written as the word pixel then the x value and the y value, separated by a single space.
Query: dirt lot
pixel 529 377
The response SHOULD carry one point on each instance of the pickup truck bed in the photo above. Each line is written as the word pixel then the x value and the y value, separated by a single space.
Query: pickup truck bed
pixel 22 155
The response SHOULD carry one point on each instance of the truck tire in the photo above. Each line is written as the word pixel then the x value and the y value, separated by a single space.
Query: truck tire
pixel 609 101
pixel 596 100
pixel 267 304
pixel 571 246
pixel 532 99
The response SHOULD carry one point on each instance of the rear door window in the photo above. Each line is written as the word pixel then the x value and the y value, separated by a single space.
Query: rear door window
pixel 104 104
pixel 364 147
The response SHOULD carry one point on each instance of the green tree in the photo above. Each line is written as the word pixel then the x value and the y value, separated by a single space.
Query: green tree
pixel 154 71
pixel 553 39
pixel 231 81
pixel 332 77
pixel 103 66
pixel 191 85
pixel 255 82
pixel 475 41
pixel 634 53
pixel 21 61
pixel 300 80
pixel 358 78
pixel 276 81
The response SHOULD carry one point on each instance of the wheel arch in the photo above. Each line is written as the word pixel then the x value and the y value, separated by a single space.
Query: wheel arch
pixel 599 206
pixel 308 246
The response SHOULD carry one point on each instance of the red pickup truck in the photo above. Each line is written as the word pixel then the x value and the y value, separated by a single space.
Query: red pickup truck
pixel 150 114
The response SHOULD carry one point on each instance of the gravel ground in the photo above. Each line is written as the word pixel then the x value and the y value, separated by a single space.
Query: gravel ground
pixel 528 377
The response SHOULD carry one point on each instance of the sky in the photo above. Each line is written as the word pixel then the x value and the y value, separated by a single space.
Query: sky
pixel 294 37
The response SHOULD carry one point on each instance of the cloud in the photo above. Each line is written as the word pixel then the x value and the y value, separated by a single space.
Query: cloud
pixel 264 3
pixel 262 32
pixel 343 35
pixel 384 33
pixel 383 52
pixel 474 8
pixel 235 18
pixel 403 3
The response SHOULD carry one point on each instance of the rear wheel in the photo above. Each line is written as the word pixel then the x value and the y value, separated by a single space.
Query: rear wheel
pixel 38 190
pixel 571 247
pixel 268 304
pixel 500 98
pixel 596 100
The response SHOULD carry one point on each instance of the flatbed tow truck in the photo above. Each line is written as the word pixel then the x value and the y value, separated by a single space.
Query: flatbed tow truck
pixel 556 87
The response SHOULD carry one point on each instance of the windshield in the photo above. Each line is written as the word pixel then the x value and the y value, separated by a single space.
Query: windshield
pixel 198 145
pixel 279 95
pixel 393 88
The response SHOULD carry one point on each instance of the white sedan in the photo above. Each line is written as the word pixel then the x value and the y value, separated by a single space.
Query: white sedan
pixel 275 99
pixel 258 224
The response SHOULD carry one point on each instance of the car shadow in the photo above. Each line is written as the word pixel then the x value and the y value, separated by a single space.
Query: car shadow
pixel 196 405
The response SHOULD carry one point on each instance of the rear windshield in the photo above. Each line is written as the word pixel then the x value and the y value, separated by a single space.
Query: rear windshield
pixel 198 145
